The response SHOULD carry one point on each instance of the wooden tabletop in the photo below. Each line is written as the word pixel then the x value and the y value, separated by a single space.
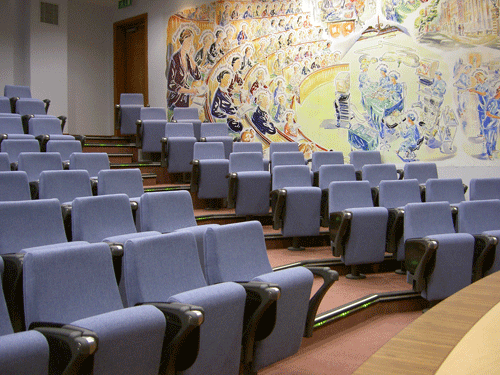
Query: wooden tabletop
pixel 423 346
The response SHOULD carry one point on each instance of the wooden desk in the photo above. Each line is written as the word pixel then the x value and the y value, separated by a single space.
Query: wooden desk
pixel 423 346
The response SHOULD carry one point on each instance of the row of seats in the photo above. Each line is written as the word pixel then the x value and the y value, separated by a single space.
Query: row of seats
pixel 154 268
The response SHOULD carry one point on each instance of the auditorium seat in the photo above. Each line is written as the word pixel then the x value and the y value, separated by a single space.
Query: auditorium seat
pixel 65 148
pixel 170 211
pixel 92 162
pixel 281 147
pixel 251 147
pixel 320 158
pixel 45 129
pixel 484 188
pixel 481 218
pixel 357 228
pixel 217 132
pixel 4 162
pixel 12 128
pixel 151 129
pixel 249 184
pixel 422 172
pixel 14 147
pixel 189 114
pixel 374 173
pixel 29 108
pixel 438 260
pixel 450 190
pixel 14 186
pixel 34 163
pixel 76 286
pixel 177 147
pixel 210 168
pixel 121 181
pixel 16 92
pixel 359 158
pixel 167 269
pixel 394 195
pixel 295 203
pixel 287 158
pixel 127 112
pixel 5 108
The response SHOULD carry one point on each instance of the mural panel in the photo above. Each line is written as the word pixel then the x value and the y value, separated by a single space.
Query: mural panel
pixel 417 80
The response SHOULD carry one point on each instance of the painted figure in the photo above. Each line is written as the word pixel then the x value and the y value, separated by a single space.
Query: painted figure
pixel 183 69
pixel 491 124
pixel 260 117
pixel 222 104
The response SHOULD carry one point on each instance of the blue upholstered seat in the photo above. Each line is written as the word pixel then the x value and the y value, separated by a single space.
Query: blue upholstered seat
pixel 189 114
pixel 128 112
pixel 14 186
pixel 151 128
pixel 166 268
pixel 178 146
pixel 359 158
pixel 65 147
pixel 92 162
pixel 484 188
pixel 217 132
pixel 251 147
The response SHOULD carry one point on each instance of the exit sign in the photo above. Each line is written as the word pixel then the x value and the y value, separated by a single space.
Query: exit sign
pixel 124 3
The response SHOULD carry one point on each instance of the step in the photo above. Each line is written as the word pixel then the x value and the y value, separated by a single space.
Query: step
pixel 148 179
pixel 97 139
pixel 111 149
pixel 121 158
pixel 162 176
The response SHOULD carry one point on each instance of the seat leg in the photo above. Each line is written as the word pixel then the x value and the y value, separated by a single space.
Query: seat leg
pixel 402 270
pixel 295 245
pixel 355 274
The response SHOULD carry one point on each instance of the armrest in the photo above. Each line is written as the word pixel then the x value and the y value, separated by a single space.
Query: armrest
pixel 454 217
pixel 34 189
pixel 395 229
pixel 3 136
pixel 329 277
pixel 43 139
pixel 195 176
pixel 465 188
pixel 203 139
pixel 71 348
pixel 359 176
pixel 13 289
pixel 66 214
pixel 419 260
pixel 316 178
pixel 47 105
pixel 164 152
pixel 25 119
pixel 182 335
pixel 340 228
pixel 401 173
pixel 118 116
pixel 375 191
pixel 13 101
pixel 117 256
pixel 278 200
pixel 325 215
pixel 233 190
pixel 81 138
pixel 63 121
pixel 422 193
pixel 138 135
pixel 260 315
pixel 484 254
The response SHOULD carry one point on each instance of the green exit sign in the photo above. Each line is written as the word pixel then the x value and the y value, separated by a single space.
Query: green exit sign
pixel 124 3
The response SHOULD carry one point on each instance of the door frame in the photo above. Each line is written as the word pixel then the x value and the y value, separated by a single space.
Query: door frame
pixel 119 29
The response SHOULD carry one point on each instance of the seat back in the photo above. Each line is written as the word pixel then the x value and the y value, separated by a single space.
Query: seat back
pixel 53 280
pixel 5 105
pixel 92 162
pixel 5 324
pixel 287 158
pixel 335 172
pixel 208 150
pixel 360 158
pixel 44 125
pixel 245 161
pixel 320 158
pixel 186 113
pixel 349 194
pixel 120 181
pixel 213 129
pixel 28 106
pixel 166 211
pixel 13 147
pixel 98 217
pixel 131 99
pixel 374 173
pixel 153 113
pixel 421 171
pixel 179 129
pixel 4 162
pixel 17 91
pixel 423 219
pixel 291 176
pixel 30 223
pixel 483 188
pixel 282 147
pixel 247 147
pixel 394 194
pixel 229 247
pixel 64 185
pixel 476 217
pixel 64 147
pixel 11 125
pixel 33 163
pixel 156 268
pixel 444 189
pixel 14 186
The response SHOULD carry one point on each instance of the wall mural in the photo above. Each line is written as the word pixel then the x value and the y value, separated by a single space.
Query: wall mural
pixel 416 79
